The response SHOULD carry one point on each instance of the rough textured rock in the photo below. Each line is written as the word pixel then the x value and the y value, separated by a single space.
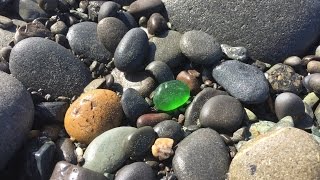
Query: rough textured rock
pixel 271 30
pixel 16 116
pixel 41 63
pixel 279 154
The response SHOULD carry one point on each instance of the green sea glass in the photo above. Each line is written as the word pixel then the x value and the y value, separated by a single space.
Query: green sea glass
pixel 170 95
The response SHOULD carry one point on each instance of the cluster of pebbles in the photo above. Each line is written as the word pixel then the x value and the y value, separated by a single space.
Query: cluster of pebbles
pixel 145 90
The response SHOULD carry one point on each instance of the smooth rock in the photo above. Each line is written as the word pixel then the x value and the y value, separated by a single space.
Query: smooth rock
pixel 279 154
pixel 235 53
pixel 193 111
pixel 133 105
pixel 5 53
pixel 65 151
pixel 16 114
pixel 200 47
pixel 169 129
pixel 5 22
pixel 4 66
pixel 131 51
pixel 108 9
pixel 313 67
pixel 165 48
pixel 52 112
pixel 105 154
pixel 140 81
pixel 62 40
pixel 222 113
pixel 127 19
pixel 244 82
pixel 95 84
pixel 293 61
pixel 161 71
pixel 135 171
pixel 283 78
pixel 44 158
pixel 110 31
pixel 59 28
pixel 312 83
pixel 156 24
pixel 289 104
pixel 92 114
pixel 190 80
pixel 270 30
pixel 83 41
pixel 201 155
pixel 145 8
pixel 51 67
pixel 64 170
pixel 152 119
pixel 30 10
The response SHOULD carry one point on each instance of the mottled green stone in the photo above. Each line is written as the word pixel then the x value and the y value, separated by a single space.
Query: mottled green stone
pixel 170 95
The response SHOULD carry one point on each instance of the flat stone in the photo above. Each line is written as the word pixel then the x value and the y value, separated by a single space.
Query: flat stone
pixel 105 154
pixel 140 81
pixel 5 22
pixel 30 10
pixel 52 67
pixel 201 155
pixel 279 154
pixel 145 8
pixel 260 26
pixel 136 170
pixel 83 40
pixel 16 114
pixel 244 82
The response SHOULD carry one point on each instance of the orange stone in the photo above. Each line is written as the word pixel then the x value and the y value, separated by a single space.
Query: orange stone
pixel 93 113
pixel 162 148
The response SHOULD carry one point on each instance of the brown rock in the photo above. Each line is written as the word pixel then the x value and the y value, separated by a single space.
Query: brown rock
pixel 313 67
pixel 92 114
pixel 152 119
pixel 191 80
pixel 287 153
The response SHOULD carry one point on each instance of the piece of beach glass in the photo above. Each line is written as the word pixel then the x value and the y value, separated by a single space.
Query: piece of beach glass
pixel 170 95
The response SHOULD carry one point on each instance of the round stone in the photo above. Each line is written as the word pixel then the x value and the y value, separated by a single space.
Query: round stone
pixel 41 63
pixel 132 50
pixel 93 113
pixel 286 102
pixel 169 129
pixel 156 24
pixel 16 114
pixel 161 71
pixel 108 9
pixel 222 113
pixel 171 95
pixel 201 155
pixel 313 83
pixel 59 28
pixel 136 170
pixel 190 80
pixel 279 154
pixel 200 47
pixel 110 31
pixel 313 67
pixel 145 8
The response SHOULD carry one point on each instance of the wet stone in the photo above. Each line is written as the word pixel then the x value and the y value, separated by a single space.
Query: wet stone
pixel 244 82
pixel 28 63
pixel 171 95
pixel 283 78
pixel 44 158
pixel 92 114
pixel 235 53
pixel 161 71
pixel 286 102
pixel 108 9
pixel 65 170
pixel 65 151
pixel 156 24
pixel 169 129
pixel 152 119
pixel 136 170
pixel 83 41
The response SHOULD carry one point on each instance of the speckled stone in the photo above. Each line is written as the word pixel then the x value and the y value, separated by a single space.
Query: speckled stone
pixel 202 155
pixel 279 154
pixel 92 114
pixel 135 171
pixel 83 40
pixel 50 67
pixel 16 114
pixel 244 82
pixel 271 30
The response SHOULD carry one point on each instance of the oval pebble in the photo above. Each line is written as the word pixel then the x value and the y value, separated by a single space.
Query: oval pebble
pixel 145 7
pixel 156 24
pixel 152 119
pixel 169 129
pixel 161 71
pixel 108 9
pixel 289 104
pixel 135 171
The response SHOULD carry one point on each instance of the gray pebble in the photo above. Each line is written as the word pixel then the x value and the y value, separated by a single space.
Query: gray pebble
pixel 145 8
pixel 59 28
pixel 30 10
pixel 5 22
pixel 65 151
pixel 108 9
pixel 289 104
pixel 135 171
pixel 161 71
pixel 235 53
pixel 169 129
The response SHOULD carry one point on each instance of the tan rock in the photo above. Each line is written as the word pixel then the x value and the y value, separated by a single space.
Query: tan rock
pixel 92 114
pixel 162 148
pixel 287 153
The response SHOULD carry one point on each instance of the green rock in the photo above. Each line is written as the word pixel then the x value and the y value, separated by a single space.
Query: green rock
pixel 171 95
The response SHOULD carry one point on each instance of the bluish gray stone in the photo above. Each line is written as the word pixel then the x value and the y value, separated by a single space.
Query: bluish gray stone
pixel 135 171
pixel 244 82
pixel 161 71
pixel 42 63
pixel 16 114
pixel 108 9
pixel 271 30
pixel 84 41
pixel 30 10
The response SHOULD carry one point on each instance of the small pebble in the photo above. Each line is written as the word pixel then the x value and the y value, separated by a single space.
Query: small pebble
pixel 236 53
pixel 286 102
pixel 152 119
pixel 162 148
pixel 293 61
pixel 156 24
pixel 313 67
pixel 59 28
pixel 191 80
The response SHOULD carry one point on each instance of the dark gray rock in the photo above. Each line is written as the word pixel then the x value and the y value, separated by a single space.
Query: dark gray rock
pixel 166 48
pixel 235 53
pixel 156 24
pixel 16 114
pixel 200 47
pixel 313 83
pixel 124 2
pixel 244 82
pixel 65 170
pixel 41 63
pixel 161 71
pixel 222 113
pixel 127 19
pixel 4 4
pixel 108 9
pixel 5 53
pixel 271 30
pixel 289 104
pixel 201 155
pixel 145 8
pixel 131 52
pixel 170 129
pixel 135 171
pixel 4 66
pixel 110 31
pixel 48 5
pixel 50 112
pixel 30 10
pixel 65 151
pixel 133 105
pixel 140 81
pixel 59 28
pixel 83 40
pixel 152 119
pixel 44 158
pixel 193 111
